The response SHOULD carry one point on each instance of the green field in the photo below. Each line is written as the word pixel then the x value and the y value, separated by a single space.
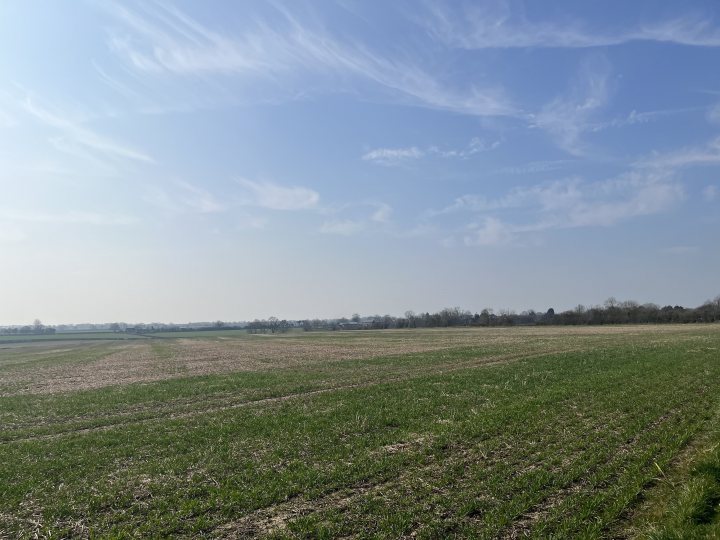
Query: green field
pixel 481 433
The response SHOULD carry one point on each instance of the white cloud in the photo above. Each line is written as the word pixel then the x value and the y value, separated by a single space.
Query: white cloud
pixel 547 196
pixel 566 118
pixel 491 25
pixel 635 118
pixel 641 197
pixel 492 232
pixel 165 40
pixel 247 221
pixel 706 154
pixel 342 227
pixel 475 146
pixel 199 199
pixel 353 218
pixel 74 132
pixel 710 193
pixel 566 204
pixel 275 197
pixel 713 114
pixel 396 156
pixel 112 82
pixel 393 156
pixel 180 197
pixel 421 230
pixel 535 167
pixel 382 213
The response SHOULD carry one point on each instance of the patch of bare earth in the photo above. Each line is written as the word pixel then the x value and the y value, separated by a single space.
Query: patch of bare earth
pixel 210 405
pixel 123 364
pixel 153 360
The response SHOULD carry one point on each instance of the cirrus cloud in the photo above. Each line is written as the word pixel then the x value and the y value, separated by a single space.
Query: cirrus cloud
pixel 276 197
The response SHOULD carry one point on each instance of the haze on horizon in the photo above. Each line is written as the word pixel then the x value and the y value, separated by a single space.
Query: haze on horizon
pixel 185 161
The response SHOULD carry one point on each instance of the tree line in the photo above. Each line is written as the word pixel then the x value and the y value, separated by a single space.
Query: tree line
pixel 611 311
pixel 37 328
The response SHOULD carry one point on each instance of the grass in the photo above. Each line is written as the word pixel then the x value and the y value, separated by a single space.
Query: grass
pixel 538 432
pixel 686 500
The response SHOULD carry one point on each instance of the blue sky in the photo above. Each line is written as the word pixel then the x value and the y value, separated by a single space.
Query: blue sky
pixel 179 161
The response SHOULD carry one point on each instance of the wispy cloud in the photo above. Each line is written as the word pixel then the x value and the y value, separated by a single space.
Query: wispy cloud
pixel 393 156
pixel 181 197
pixel 345 227
pixel 710 193
pixel 75 133
pixel 276 197
pixel 636 118
pixel 166 39
pixel 546 196
pixel 567 117
pixel 707 154
pixel 494 25
pixel 534 167
pixel 564 204
pixel 382 213
pixel 199 199
pixel 490 232
pixel 636 195
pixel 246 221
pixel 353 218
pixel 397 156
pixel 118 86
pixel 475 146
pixel 713 114
pixel 163 40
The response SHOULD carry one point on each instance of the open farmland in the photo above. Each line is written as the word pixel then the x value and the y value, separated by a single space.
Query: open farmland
pixel 542 431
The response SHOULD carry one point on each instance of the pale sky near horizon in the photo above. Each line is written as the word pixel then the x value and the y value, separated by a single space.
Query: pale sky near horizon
pixel 185 161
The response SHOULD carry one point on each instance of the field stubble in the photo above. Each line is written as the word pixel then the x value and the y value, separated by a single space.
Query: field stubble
pixel 431 433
